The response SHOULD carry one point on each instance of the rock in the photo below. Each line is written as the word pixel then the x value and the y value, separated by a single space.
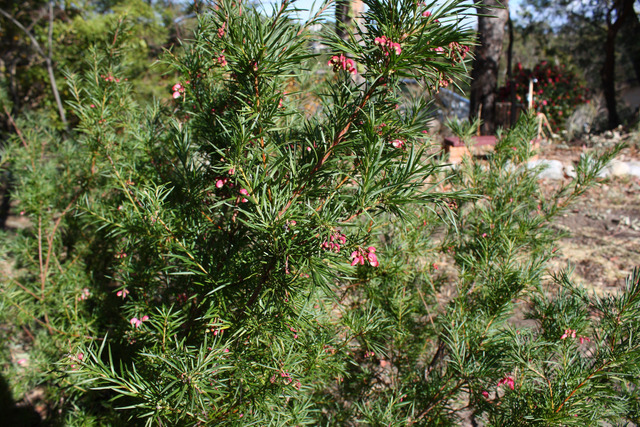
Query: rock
pixel 570 171
pixel 634 169
pixel 618 168
pixel 551 169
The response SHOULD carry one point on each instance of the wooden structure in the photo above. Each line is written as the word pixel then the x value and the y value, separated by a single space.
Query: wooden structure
pixel 457 149
pixel 480 146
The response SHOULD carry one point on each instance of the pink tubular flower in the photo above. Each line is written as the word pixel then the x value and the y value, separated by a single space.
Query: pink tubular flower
pixel 485 394
pixel 397 143
pixel 135 322
pixel 122 293
pixel 244 191
pixel 380 41
pixel 84 295
pixel 178 90
pixel 219 183
pixel 568 333
pixel 373 259
pixel 357 258
pixel 360 255
pixel 426 14
pixel 508 381
pixel 342 63
pixel 387 45
pixel 332 244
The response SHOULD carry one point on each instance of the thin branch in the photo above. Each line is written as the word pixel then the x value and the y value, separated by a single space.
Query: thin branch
pixel 338 139
pixel 582 384
pixel 47 58
pixel 26 290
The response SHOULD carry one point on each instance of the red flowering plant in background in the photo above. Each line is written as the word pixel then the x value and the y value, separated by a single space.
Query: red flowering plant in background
pixel 557 90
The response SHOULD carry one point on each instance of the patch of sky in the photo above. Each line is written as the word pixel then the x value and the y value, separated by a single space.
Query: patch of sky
pixel 308 8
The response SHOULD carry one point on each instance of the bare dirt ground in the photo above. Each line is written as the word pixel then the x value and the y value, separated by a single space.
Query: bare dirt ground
pixel 603 244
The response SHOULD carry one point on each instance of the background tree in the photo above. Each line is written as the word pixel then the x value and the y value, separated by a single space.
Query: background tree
pixel 616 15
pixel 492 17
pixel 347 13
pixel 569 30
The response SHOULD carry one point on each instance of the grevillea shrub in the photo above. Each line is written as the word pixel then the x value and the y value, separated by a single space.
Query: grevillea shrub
pixel 235 257
pixel 557 90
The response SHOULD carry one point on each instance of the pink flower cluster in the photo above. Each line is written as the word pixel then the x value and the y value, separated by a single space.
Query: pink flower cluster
pixel 221 182
pixel 360 255
pixel 222 61
pixel 571 333
pixel 244 192
pixel 122 293
pixel 221 30
pixel 388 45
pixel 286 379
pixel 178 90
pixel 110 78
pixel 397 143
pixel 507 381
pixel 426 13
pixel 135 322
pixel 84 295
pixel 342 63
pixel 335 240
pixel 457 51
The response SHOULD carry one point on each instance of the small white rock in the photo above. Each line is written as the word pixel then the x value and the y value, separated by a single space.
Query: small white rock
pixel 553 169
pixel 570 171
pixel 634 169
pixel 618 168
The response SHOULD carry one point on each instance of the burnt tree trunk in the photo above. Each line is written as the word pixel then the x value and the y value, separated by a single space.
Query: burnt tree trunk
pixel 622 9
pixel 492 18
pixel 630 40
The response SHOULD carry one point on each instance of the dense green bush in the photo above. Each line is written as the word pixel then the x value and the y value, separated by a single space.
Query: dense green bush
pixel 237 257
pixel 557 90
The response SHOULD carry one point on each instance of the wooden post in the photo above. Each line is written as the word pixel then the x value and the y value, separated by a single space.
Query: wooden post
pixel 530 94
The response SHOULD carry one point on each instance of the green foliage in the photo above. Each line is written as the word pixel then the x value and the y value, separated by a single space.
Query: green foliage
pixel 273 249
pixel 556 92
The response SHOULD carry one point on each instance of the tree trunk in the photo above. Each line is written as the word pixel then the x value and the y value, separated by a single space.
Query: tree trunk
pixel 343 17
pixel 623 9
pixel 512 84
pixel 608 76
pixel 348 14
pixel 487 57
pixel 630 40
